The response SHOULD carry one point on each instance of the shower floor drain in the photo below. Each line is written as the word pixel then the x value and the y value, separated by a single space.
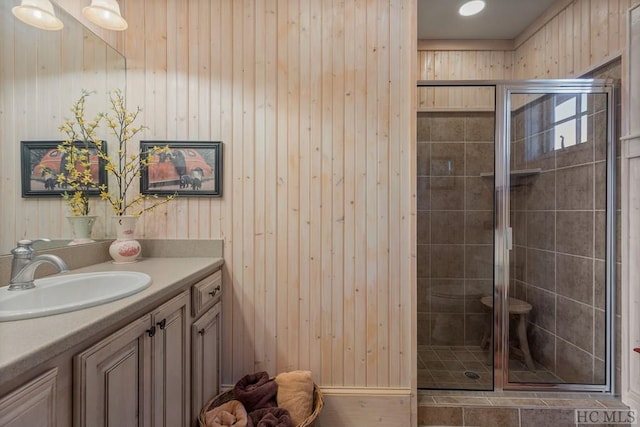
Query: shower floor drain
pixel 472 375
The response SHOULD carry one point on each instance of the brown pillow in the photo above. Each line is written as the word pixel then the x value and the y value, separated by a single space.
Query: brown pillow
pixel 295 394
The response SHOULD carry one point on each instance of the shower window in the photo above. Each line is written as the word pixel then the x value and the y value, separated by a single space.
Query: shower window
pixel 570 120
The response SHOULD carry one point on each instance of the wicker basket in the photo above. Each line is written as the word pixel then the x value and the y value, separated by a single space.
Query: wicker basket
pixel 310 421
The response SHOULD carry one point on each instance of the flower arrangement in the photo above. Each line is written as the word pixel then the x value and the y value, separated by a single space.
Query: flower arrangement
pixel 125 166
pixel 76 152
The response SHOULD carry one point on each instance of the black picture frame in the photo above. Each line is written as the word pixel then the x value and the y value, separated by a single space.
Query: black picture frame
pixel 41 162
pixel 191 168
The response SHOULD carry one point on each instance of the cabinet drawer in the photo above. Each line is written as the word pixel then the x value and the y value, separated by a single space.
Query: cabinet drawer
pixel 205 293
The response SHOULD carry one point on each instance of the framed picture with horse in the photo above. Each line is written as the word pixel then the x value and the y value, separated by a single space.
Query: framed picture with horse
pixel 188 168
pixel 43 168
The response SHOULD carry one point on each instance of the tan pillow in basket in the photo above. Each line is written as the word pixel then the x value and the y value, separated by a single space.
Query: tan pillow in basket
pixel 295 394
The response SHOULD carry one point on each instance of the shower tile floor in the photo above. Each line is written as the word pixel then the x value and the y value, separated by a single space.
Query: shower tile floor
pixel 453 367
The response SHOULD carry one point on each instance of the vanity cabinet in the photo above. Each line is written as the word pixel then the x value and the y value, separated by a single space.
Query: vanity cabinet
pixel 205 356
pixel 205 342
pixel 31 405
pixel 138 376
pixel 156 370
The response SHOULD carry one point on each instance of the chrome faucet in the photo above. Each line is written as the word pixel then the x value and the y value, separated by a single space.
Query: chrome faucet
pixel 24 265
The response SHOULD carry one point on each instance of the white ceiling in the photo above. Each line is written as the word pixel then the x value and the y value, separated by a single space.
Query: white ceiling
pixel 500 19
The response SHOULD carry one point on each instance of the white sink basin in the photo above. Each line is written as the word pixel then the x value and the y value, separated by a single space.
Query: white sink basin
pixel 70 292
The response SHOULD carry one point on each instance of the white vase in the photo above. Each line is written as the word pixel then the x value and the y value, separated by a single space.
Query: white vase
pixel 125 249
pixel 81 227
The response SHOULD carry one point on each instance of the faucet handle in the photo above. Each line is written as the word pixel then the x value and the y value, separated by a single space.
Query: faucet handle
pixel 25 247
pixel 27 242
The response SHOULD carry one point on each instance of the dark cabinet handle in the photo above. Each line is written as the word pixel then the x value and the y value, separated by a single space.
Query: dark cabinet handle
pixel 161 324
pixel 202 331
pixel 637 350
pixel 215 291
pixel 151 331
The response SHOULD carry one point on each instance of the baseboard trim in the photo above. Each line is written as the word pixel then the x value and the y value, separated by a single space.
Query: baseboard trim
pixel 363 406
pixel 366 391
pixel 367 406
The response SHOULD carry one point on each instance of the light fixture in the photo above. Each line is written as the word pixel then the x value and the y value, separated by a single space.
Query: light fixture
pixel 471 7
pixel 38 13
pixel 106 14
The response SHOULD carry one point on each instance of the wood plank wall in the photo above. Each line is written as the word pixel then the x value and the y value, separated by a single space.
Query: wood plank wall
pixel 584 35
pixel 313 101
pixel 576 37
pixel 461 65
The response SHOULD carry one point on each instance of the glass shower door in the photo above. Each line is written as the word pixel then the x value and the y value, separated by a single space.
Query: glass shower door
pixel 560 205
pixel 455 161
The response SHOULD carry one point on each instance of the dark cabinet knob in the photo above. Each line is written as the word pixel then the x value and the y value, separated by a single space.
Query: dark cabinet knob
pixel 161 324
pixel 151 331
pixel 215 291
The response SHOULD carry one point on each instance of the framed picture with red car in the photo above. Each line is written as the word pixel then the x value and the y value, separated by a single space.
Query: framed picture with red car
pixel 186 168
pixel 42 162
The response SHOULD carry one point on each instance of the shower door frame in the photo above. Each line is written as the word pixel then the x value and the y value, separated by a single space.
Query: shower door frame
pixel 502 184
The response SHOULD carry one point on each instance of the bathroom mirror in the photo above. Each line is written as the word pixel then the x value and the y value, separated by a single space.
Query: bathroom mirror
pixel 41 74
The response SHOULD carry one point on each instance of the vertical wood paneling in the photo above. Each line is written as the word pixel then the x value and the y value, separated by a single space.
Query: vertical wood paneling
pixel 315 199
pixel 360 205
pixel 395 285
pixel 338 190
pixel 294 102
pixel 304 344
pixel 242 313
pixel 259 170
pixel 349 296
pixel 599 35
pixel 461 65
pixel 326 199
pixel 583 35
pixel 371 155
pixel 247 49
pixel 271 185
pixel 382 179
pixel 281 192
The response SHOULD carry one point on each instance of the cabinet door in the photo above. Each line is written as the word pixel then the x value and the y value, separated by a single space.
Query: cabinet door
pixel 113 379
pixel 31 405
pixel 205 359
pixel 171 350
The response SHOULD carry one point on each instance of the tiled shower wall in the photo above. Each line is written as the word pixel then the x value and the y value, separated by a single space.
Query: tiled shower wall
pixel 559 221
pixel 455 226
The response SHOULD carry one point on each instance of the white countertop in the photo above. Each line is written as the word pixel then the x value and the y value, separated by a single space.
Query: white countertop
pixel 24 344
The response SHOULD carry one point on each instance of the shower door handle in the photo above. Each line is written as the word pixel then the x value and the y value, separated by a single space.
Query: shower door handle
pixel 509 238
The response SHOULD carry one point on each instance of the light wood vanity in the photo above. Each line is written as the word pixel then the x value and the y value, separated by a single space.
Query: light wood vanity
pixel 151 359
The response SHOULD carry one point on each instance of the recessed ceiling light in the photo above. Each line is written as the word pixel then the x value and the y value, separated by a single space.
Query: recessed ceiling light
pixel 471 7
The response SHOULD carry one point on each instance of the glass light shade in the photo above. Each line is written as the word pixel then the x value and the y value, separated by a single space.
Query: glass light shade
pixel 38 13
pixel 471 8
pixel 106 14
